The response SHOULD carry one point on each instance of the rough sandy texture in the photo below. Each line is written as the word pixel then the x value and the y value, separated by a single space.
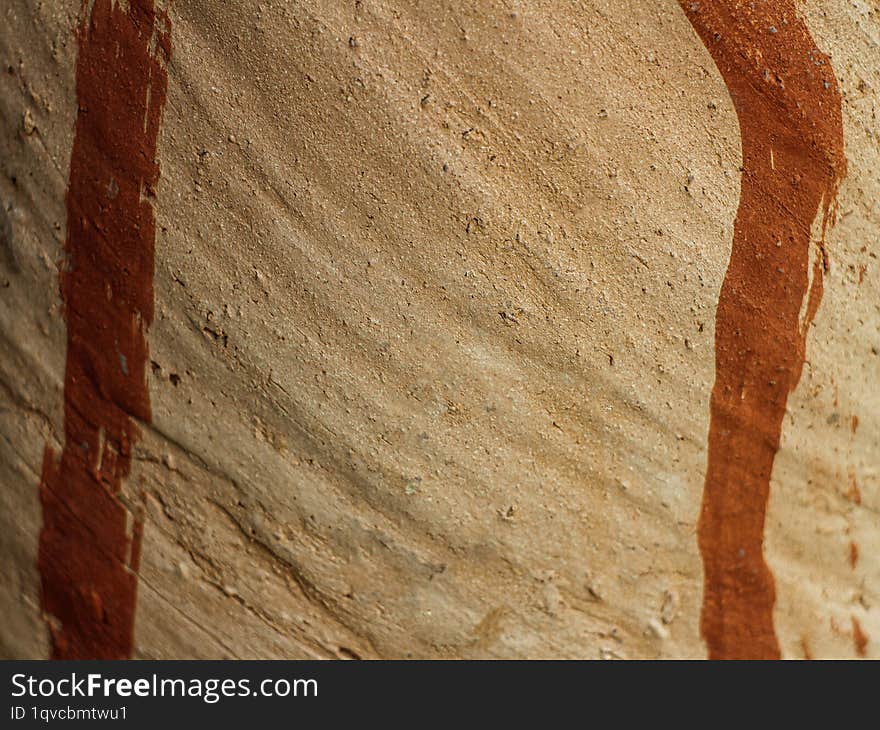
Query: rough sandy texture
pixel 434 339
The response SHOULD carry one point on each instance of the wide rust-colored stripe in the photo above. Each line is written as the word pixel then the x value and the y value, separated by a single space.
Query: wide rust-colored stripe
pixel 90 542
pixel 788 104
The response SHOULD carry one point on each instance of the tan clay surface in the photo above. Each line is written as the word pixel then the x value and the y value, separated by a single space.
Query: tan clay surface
pixel 434 333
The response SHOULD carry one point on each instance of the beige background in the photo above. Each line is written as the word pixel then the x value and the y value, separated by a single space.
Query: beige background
pixel 435 294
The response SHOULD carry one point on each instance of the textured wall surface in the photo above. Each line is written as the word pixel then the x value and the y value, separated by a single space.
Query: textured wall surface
pixel 399 328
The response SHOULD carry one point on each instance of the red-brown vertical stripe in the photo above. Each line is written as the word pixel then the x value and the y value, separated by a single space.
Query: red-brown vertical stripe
pixel 789 109
pixel 90 542
pixel 860 638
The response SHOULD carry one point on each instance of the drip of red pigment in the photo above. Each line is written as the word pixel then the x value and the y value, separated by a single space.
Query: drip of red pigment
pixel 789 108
pixel 90 542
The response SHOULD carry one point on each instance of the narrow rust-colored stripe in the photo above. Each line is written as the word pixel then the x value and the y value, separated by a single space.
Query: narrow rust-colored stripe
pixel 90 542
pixel 788 104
